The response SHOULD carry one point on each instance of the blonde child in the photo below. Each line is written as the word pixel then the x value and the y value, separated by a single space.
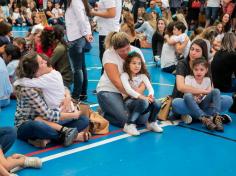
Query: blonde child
pixel 134 75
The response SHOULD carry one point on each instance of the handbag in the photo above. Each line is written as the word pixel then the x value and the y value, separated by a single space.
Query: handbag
pixel 165 108
pixel 196 4
pixel 97 123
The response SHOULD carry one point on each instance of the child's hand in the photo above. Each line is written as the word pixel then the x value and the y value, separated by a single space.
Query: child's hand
pixel 166 36
pixel 151 98
pixel 76 114
pixel 145 98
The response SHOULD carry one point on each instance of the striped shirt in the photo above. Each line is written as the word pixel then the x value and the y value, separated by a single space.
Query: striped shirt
pixel 30 104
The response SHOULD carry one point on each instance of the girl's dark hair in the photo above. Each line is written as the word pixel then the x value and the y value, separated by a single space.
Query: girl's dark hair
pixel 20 41
pixel 169 28
pixel 86 6
pixel 47 38
pixel 5 28
pixel 201 61
pixel 202 44
pixel 59 34
pixel 28 66
pixel 127 62
pixel 13 51
pixel 180 26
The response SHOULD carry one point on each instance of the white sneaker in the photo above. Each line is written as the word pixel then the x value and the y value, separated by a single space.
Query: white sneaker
pixel 187 119
pixel 154 127
pixel 131 129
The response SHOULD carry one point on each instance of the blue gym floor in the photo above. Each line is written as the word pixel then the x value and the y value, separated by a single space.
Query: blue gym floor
pixel 181 150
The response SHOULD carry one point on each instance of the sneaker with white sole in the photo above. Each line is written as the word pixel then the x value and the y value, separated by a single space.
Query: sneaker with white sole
pixel 187 119
pixel 131 129
pixel 153 126
pixel 33 162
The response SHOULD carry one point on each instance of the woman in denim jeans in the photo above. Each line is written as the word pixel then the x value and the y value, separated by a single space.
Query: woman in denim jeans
pixel 110 88
pixel 78 31
pixel 198 49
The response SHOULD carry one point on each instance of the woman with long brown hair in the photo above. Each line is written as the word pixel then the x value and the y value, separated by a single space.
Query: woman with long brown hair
pixel 78 31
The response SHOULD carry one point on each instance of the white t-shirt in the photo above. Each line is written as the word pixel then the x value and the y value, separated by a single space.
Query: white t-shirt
pixel 213 3
pixel 51 85
pixel 110 56
pixel 15 15
pixel 131 85
pixel 107 25
pixel 190 80
pixel 168 57
pixel 57 12
pixel 36 27
pixel 181 38
pixel 11 67
pixel 165 3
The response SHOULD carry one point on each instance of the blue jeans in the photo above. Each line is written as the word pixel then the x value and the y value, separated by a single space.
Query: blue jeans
pixel 7 138
pixel 33 129
pixel 77 59
pixel 4 102
pixel 179 106
pixel 138 107
pixel 212 13
pixel 212 100
pixel 115 110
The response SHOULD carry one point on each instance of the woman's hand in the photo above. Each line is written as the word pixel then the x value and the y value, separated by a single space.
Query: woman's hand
pixel 143 97
pixel 89 37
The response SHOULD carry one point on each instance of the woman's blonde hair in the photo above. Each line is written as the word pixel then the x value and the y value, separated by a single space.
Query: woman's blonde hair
pixel 208 34
pixel 228 42
pixel 180 17
pixel 116 40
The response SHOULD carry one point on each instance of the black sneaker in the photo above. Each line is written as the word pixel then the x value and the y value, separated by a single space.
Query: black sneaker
pixel 83 97
pixel 69 135
pixel 225 118
pixel 218 122
pixel 208 123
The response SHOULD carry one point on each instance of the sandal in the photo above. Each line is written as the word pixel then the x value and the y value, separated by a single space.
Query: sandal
pixel 40 143
pixel 83 136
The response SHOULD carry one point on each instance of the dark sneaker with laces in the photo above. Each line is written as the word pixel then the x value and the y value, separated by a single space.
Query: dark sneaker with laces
pixel 218 122
pixel 225 118
pixel 208 123
pixel 69 135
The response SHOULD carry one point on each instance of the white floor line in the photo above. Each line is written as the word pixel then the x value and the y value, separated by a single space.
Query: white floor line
pixel 163 84
pixel 96 144
pixel 93 105
pixel 93 145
